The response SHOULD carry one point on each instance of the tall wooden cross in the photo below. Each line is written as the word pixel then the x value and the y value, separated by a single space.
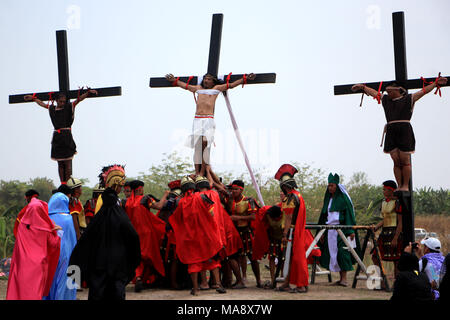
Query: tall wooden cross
pixel 63 76
pixel 401 78
pixel 213 68
pixel 213 61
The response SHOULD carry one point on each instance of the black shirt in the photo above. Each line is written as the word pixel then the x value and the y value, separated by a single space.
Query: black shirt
pixel 397 109
pixel 61 117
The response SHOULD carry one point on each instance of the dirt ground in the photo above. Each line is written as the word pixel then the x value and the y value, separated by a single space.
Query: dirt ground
pixel 321 290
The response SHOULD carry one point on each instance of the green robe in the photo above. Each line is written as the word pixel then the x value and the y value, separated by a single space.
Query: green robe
pixel 342 204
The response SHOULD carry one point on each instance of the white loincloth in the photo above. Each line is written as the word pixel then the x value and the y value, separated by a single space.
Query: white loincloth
pixel 202 126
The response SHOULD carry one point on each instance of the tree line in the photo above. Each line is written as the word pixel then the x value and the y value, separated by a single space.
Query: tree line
pixel 312 183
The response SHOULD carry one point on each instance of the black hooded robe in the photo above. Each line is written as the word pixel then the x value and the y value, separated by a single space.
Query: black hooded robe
pixel 410 284
pixel 108 252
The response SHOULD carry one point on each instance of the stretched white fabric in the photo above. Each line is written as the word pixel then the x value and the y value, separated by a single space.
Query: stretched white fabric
pixel 238 136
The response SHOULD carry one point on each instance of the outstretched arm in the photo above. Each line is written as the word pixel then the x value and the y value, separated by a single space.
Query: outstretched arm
pixel 250 217
pixel 170 77
pixel 419 94
pixel 84 96
pixel 223 87
pixel 39 102
pixel 160 204
pixel 362 87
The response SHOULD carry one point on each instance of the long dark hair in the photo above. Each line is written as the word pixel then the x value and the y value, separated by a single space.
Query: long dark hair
pixel 215 80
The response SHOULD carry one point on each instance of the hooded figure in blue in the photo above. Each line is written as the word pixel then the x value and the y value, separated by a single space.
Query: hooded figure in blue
pixel 62 288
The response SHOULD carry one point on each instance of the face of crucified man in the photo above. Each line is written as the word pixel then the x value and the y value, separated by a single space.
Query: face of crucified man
pixel 61 100
pixel 208 82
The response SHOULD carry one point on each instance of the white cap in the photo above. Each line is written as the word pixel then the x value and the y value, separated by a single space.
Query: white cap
pixel 432 243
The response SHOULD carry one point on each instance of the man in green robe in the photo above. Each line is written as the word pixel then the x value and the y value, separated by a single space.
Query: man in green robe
pixel 337 210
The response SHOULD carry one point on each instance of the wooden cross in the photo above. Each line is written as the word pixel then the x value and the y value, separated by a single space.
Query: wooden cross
pixel 63 77
pixel 401 78
pixel 213 61
pixel 213 67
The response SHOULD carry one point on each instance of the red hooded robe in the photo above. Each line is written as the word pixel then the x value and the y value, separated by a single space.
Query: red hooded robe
pixel 150 229
pixel 299 265
pixel 230 236
pixel 35 256
pixel 196 231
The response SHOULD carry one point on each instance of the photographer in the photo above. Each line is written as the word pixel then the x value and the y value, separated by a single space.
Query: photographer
pixel 410 284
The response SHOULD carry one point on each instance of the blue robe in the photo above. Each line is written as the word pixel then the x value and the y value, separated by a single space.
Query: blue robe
pixel 60 290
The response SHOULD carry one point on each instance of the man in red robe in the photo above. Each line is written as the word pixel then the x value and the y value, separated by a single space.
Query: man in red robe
pixel 151 232
pixel 229 234
pixel 199 241
pixel 293 207
pixel 35 256
pixel 168 249
pixel 308 237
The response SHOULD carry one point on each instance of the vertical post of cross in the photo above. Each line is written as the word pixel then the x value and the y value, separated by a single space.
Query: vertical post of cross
pixel 401 77
pixel 214 44
pixel 398 26
pixel 63 61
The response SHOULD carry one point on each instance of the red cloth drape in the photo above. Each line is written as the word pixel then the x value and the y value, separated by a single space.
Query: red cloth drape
pixel 35 256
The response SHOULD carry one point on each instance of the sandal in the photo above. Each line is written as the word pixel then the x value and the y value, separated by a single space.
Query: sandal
pixel 283 289
pixel 268 285
pixel 221 290
pixel 239 286
pixel 339 283
pixel 299 290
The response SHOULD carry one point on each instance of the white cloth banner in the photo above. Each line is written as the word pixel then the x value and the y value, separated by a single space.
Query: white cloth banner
pixel 238 136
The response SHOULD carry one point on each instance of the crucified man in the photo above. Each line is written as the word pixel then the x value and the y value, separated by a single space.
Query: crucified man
pixel 62 115
pixel 204 126
pixel 400 141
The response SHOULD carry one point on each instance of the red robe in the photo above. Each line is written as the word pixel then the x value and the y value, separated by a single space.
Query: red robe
pixel 171 241
pixel 151 232
pixel 195 228
pixel 17 222
pixel 230 235
pixel 261 241
pixel 35 256
pixel 299 265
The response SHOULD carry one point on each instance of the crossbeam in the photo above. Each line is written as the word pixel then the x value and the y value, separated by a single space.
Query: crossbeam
pixel 401 78
pixel 410 84
pixel 72 94
pixel 161 82
pixel 63 78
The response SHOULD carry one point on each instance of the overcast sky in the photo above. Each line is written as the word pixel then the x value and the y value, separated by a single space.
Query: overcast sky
pixel 310 45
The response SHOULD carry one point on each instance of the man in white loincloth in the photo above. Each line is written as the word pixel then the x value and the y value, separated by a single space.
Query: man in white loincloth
pixel 204 126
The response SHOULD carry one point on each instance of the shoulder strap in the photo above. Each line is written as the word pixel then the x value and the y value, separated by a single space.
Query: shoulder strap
pixel 206 199
pixel 424 264
pixel 294 197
